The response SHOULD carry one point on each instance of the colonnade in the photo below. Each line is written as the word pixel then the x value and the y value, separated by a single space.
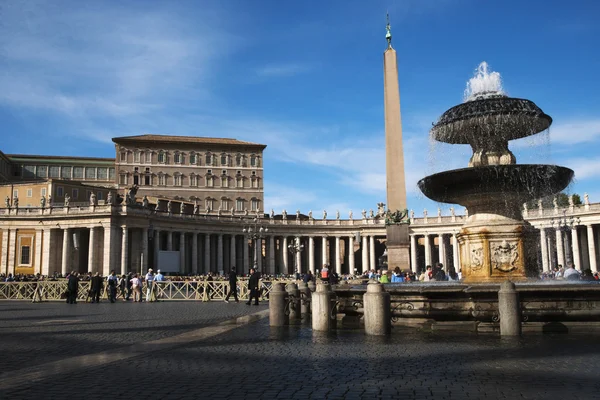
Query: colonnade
pixel 447 250
pixel 575 244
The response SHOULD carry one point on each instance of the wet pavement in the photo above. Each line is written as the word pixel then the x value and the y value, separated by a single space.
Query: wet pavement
pixel 195 350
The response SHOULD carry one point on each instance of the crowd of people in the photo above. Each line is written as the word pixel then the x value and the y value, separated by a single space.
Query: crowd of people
pixel 570 273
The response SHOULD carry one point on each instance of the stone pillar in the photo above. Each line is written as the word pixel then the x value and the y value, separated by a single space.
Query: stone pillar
pixel 427 250
pixel 66 252
pixel 38 250
pixel 284 249
pixel 298 256
pixel 125 251
pixel 294 296
pixel 156 243
pixel 377 310
pixel 509 309
pixel 47 250
pixel 220 253
pixel 575 245
pixel 441 249
pixel 455 253
pixel 12 251
pixel 321 308
pixel 413 253
pixel 271 263
pixel 311 254
pixel 324 250
pixel 182 258
pixel 170 241
pixel 246 256
pixel 92 250
pixel 145 265
pixel 338 264
pixel 195 253
pixel 277 302
pixel 5 251
pixel 232 251
pixel 350 250
pixel 372 262
pixel 592 248
pixel 560 253
pixel 544 249
pixel 206 268
pixel 365 254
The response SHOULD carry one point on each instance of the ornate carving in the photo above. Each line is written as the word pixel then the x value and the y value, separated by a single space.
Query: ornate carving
pixel 504 256
pixel 476 258
pixel 397 217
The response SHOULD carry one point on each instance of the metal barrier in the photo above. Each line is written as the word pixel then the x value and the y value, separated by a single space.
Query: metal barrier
pixel 161 291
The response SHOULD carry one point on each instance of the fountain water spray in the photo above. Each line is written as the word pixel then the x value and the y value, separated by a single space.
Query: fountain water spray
pixel 484 84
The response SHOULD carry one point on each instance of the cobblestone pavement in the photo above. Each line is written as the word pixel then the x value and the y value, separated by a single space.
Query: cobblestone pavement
pixel 255 361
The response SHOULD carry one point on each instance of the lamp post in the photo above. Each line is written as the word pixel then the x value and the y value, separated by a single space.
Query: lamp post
pixel 565 225
pixel 294 248
pixel 255 231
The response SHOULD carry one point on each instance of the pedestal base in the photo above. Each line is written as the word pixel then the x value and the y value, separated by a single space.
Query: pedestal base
pixel 398 247
pixel 494 248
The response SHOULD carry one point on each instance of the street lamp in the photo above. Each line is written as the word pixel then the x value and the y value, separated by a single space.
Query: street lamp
pixel 565 224
pixel 255 232
pixel 294 248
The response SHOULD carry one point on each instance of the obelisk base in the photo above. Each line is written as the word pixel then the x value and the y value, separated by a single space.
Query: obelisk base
pixel 398 247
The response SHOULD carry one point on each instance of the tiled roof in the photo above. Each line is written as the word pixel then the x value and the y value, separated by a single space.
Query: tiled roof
pixel 185 139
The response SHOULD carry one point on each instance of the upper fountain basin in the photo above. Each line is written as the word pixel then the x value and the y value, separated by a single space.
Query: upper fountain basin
pixel 496 117
pixel 496 184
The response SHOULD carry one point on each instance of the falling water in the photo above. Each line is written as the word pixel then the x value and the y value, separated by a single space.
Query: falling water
pixel 485 83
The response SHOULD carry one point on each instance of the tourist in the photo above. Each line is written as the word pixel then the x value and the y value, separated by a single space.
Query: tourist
pixel 571 274
pixel 136 286
pixel 149 281
pixel 10 278
pixel 325 273
pixel 426 275
pixel 123 286
pixel 397 276
pixel 384 277
pixel 253 285
pixel 308 277
pixel 72 288
pixel 112 286
pixel 95 287
pixel 129 285
pixel 438 272
pixel 209 280
pixel 587 275
pixel 334 278
pixel 452 275
pixel 159 278
pixel 232 286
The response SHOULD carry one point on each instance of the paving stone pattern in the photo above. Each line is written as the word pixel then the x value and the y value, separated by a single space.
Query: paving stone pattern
pixel 258 362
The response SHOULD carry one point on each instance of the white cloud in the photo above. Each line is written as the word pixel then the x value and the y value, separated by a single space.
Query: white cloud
pixel 279 197
pixel 282 70
pixel 575 132
pixel 584 167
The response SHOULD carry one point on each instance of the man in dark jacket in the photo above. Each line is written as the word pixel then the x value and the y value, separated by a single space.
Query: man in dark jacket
pixel 96 287
pixel 232 286
pixel 253 283
pixel 72 288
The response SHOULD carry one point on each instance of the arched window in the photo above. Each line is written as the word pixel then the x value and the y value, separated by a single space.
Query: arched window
pixel 254 204
pixel 223 159
pixel 161 157
pixel 239 182
pixel 254 182
pixel 208 159
pixel 224 181
pixel 209 203
pixel 238 160
pixel 239 204
pixel 177 157
pixel 209 181
pixel 225 203
pixel 192 158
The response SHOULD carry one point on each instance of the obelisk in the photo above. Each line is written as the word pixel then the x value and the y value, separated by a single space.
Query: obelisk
pixel 398 242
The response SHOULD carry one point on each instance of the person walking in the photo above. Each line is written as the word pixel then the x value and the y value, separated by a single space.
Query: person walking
pixel 232 286
pixel 253 283
pixel 149 282
pixel 72 288
pixel 158 279
pixel 113 282
pixel 129 285
pixel 95 287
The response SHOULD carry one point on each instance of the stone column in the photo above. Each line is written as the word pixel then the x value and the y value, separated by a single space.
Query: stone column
pixel 206 268
pixel 125 250
pixel 156 243
pixel 272 255
pixel 66 251
pixel 195 253
pixel 560 253
pixel 592 248
pixel 298 257
pixel 575 245
pixel 111 256
pixel 441 249
pixel 544 249
pixel 365 254
pixel 259 258
pixel 372 262
pixel 232 251
pixel 38 250
pixel 311 254
pixel 413 253
pixel 182 260
pixel 12 252
pixel 92 251
pixel 145 265
pixel 284 249
pixel 47 250
pixel 455 253
pixel 323 251
pixel 351 264
pixel 246 267
pixel 220 253
pixel 170 241
pixel 5 251
pixel 427 250
pixel 338 264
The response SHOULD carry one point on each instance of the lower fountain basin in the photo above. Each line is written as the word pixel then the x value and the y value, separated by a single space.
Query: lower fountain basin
pixel 496 184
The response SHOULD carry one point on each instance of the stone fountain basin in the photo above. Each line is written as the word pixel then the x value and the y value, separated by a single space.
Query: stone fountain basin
pixel 480 121
pixel 503 185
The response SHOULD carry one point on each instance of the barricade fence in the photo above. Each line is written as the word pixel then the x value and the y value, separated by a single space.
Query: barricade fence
pixel 51 290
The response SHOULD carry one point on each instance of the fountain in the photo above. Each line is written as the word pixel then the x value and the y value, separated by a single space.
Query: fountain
pixel 495 242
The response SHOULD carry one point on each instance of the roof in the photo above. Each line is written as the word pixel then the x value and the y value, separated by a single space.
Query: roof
pixel 186 139
pixel 57 159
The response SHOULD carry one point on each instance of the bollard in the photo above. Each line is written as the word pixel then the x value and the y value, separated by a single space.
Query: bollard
pixel 294 299
pixel 278 298
pixel 377 310
pixel 321 308
pixel 509 309
pixel 305 294
pixel 312 286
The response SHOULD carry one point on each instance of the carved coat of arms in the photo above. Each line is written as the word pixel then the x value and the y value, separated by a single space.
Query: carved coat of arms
pixel 504 256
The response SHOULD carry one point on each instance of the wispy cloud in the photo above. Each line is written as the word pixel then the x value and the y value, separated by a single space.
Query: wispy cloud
pixel 282 70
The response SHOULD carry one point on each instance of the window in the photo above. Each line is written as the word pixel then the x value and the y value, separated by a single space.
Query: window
pixel 102 174
pixel 239 204
pixel 239 182
pixel 90 173
pixel 148 180
pixel 77 172
pixel 224 181
pixel 111 174
pixel 255 183
pixel 225 204
pixel 136 157
pixel 254 205
pixel 25 255
pixel 65 172
pixel 148 157
pixel 41 171
pixel 123 179
pixel 54 172
pixel 223 159
pixel 253 161
pixel 43 192
pixel 29 192
pixel 15 193
pixel 75 194
pixel 238 160
pixel 177 158
pixel 99 196
pixel 123 157
pixel 28 171
pixel 178 180
pixel 208 159
pixel 59 191
pixel 209 181
pixel 192 159
pixel 193 180
pixel 209 203
pixel 161 157
pixel 162 180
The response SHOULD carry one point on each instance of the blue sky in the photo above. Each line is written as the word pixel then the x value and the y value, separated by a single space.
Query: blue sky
pixel 303 77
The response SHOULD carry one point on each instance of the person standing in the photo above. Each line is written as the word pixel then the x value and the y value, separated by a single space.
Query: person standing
pixel 149 282
pixel 95 287
pixel 129 285
pixel 158 279
pixel 253 286
pixel 72 288
pixel 136 286
pixel 112 286
pixel 232 286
